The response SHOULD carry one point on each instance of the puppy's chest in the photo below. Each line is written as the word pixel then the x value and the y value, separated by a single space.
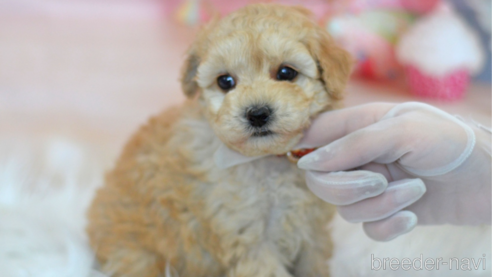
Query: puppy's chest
pixel 265 200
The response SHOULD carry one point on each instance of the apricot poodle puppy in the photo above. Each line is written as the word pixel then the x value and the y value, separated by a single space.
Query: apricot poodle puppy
pixel 254 80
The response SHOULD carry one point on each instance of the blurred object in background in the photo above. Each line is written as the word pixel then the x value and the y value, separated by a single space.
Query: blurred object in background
pixel 440 52
pixel 370 30
pixel 371 36
pixel 478 15
pixel 196 11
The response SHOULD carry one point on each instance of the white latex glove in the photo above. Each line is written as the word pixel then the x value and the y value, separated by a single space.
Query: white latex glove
pixel 408 161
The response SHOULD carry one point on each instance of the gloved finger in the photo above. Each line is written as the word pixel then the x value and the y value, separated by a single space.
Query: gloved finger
pixel 389 228
pixel 383 142
pixel 343 188
pixel 390 171
pixel 397 196
pixel 379 168
pixel 342 122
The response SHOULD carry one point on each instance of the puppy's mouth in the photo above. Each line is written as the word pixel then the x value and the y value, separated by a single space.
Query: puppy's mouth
pixel 262 133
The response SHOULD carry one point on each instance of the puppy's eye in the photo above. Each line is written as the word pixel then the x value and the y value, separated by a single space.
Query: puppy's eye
pixel 286 73
pixel 226 82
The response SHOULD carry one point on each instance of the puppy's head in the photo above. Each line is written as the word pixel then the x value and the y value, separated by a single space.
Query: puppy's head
pixel 262 73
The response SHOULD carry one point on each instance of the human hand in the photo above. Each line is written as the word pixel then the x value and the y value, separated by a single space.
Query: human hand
pixel 388 164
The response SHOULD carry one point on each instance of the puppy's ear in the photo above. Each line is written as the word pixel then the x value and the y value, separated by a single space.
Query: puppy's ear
pixel 334 63
pixel 190 66
pixel 188 74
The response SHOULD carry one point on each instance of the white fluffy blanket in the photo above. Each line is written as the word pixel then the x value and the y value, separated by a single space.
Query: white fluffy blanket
pixel 45 188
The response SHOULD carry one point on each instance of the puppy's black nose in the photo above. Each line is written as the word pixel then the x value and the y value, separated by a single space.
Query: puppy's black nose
pixel 258 116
